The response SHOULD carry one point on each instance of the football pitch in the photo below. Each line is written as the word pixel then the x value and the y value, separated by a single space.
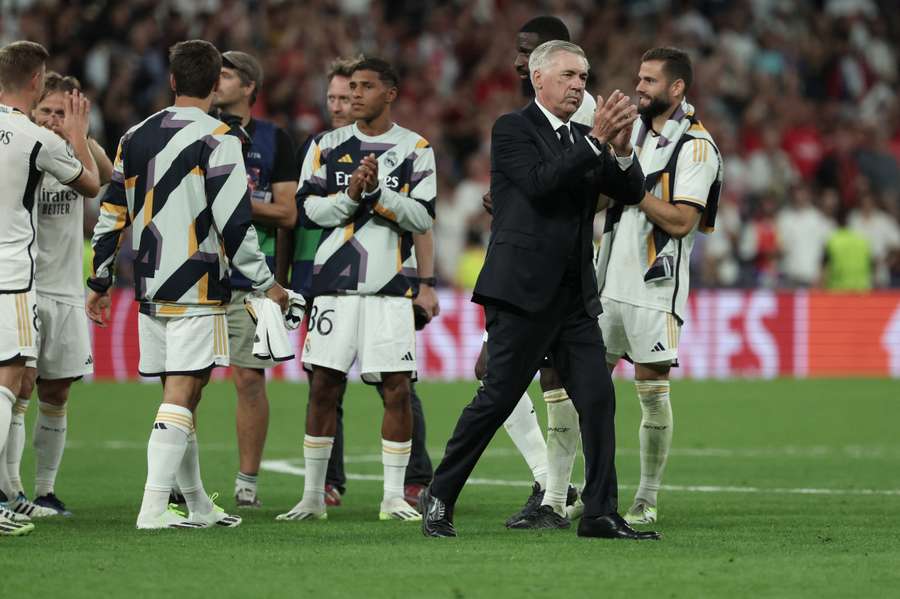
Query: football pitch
pixel 779 488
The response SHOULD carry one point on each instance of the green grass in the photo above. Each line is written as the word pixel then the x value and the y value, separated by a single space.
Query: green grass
pixel 838 435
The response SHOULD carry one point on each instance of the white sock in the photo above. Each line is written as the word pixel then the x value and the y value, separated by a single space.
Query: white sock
pixel 11 460
pixel 49 443
pixel 655 435
pixel 562 445
pixel 525 432
pixel 165 452
pixel 7 399
pixel 15 446
pixel 245 481
pixel 395 458
pixel 189 480
pixel 316 453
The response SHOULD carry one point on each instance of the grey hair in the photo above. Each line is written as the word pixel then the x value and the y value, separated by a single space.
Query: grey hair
pixel 540 57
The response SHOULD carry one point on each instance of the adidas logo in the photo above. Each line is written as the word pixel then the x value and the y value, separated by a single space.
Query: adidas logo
pixel 408 357
pixel 346 159
pixel 89 361
pixel 160 426
pixel 658 347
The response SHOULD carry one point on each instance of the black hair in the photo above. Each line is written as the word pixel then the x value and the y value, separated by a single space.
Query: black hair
pixel 676 64
pixel 386 72
pixel 547 28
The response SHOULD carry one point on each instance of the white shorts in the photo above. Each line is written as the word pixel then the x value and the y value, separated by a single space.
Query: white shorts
pixel 64 341
pixel 188 345
pixel 642 335
pixel 19 324
pixel 379 330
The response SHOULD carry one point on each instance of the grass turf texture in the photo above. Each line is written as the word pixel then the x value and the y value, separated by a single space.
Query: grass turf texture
pixel 725 540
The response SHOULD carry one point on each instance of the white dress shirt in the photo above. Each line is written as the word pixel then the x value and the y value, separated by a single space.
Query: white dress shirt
pixel 556 123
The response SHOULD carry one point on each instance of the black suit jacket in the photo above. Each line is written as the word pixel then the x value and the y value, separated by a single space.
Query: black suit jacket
pixel 544 201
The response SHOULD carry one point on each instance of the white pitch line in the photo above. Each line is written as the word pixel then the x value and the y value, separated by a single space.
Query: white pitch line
pixel 815 451
pixel 287 467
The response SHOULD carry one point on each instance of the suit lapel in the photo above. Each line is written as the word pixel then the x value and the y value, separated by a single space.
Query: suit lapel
pixel 543 127
pixel 576 134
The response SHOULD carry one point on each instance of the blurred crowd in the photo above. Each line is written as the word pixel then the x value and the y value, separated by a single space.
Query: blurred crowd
pixel 801 96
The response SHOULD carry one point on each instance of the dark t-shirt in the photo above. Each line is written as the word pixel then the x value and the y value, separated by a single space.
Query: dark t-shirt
pixel 286 167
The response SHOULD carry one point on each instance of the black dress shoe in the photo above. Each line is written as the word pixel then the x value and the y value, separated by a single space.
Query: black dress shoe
pixel 437 516
pixel 531 504
pixel 542 518
pixel 613 527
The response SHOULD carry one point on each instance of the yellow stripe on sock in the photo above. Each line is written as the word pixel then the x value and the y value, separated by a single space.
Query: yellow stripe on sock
pixel 395 451
pixel 316 445
pixel 20 407
pixel 176 419
pixel 555 395
pixel 54 411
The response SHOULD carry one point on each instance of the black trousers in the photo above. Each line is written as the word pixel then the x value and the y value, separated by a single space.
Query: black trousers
pixel 517 342
pixel 419 469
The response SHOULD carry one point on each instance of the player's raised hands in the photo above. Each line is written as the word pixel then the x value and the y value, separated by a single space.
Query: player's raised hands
pixel 357 184
pixel 365 177
pixel 617 112
pixel 76 121
pixel 371 164
pixel 98 307
pixel 621 143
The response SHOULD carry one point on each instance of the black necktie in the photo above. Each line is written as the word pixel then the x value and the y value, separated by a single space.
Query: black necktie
pixel 564 136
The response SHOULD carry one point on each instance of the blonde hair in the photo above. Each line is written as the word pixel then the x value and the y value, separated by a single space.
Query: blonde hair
pixel 56 83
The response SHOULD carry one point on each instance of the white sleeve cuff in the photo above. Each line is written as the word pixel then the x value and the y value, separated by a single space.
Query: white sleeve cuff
pixel 376 191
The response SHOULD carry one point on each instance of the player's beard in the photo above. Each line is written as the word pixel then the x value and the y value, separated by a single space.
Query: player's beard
pixel 656 107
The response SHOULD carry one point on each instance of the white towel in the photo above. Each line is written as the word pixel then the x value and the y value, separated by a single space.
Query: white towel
pixel 296 309
pixel 271 338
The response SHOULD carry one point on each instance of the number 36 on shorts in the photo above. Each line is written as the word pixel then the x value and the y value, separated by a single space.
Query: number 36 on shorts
pixel 376 330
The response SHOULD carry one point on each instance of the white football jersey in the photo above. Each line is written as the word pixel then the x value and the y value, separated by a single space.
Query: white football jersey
pixel 60 241
pixel 27 151
pixel 630 257
pixel 366 248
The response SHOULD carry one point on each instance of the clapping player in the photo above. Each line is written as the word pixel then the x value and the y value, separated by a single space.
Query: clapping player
pixel 369 186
